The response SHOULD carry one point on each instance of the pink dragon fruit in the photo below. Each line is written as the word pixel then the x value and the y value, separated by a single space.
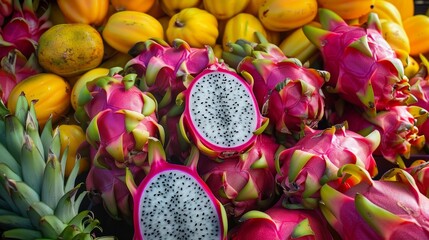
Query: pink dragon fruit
pixel 173 202
pixel 389 208
pixel 6 9
pixel 121 119
pixel 107 186
pixel 289 94
pixel 399 129
pixel 24 28
pixel 245 182
pixel 166 70
pixel 315 160
pixel 221 114
pixel 419 169
pixel 278 223
pixel 364 69
pixel 420 89
pixel 15 67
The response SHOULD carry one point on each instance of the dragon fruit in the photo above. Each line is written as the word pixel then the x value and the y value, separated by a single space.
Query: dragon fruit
pixel 24 28
pixel 15 67
pixel 121 119
pixel 6 9
pixel 419 169
pixel 289 94
pixel 399 129
pixel 315 160
pixel 245 182
pixel 173 202
pixel 369 74
pixel 389 208
pixel 280 223
pixel 165 70
pixel 107 186
pixel 420 89
pixel 221 114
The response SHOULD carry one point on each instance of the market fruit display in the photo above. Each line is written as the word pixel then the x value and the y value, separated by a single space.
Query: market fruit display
pixel 203 119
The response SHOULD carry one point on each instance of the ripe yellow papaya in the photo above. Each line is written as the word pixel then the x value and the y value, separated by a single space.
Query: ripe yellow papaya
pixel 195 26
pixel 51 91
pixel 125 28
pixel 280 15
pixel 91 12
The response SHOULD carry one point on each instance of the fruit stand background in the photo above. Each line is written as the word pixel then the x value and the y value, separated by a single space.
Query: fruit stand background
pixel 123 230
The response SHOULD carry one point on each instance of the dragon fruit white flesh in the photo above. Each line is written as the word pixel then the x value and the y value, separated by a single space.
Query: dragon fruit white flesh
pixel 173 202
pixel 221 113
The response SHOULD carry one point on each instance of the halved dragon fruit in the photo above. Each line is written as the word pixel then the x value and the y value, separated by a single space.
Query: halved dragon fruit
pixel 221 114
pixel 173 202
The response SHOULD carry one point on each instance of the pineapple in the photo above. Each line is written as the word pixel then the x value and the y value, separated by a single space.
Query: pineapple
pixel 36 201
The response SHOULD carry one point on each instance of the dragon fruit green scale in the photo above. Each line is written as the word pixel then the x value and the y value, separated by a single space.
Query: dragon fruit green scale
pixel 364 69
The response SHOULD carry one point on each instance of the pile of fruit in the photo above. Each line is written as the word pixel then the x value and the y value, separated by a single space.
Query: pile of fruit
pixel 199 119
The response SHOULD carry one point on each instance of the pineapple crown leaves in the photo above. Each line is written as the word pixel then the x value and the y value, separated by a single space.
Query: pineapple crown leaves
pixel 33 190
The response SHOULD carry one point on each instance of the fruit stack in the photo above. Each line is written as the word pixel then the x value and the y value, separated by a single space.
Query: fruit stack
pixel 199 119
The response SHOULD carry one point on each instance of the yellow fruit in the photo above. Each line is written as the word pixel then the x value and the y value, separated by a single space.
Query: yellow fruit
pixel 405 7
pixel 70 49
pixel 297 45
pixel 280 15
pixel 195 26
pixel 84 11
pixel 134 5
pixel 72 136
pixel 171 7
pixel 242 26
pixel 386 10
pixel 51 91
pixel 417 29
pixel 348 9
pixel 125 28
pixel 253 6
pixel 412 67
pixel 225 9
pixel 397 38
pixel 80 84
pixel 117 60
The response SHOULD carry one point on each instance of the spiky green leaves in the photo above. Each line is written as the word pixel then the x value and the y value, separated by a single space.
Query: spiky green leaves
pixel 35 196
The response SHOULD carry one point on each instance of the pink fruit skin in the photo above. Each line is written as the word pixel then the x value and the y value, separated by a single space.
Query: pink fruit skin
pixel 315 160
pixel 23 30
pixel 360 62
pixel 281 226
pixel 289 94
pixel 109 184
pixel 165 67
pixel 398 129
pixel 400 198
pixel 227 178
